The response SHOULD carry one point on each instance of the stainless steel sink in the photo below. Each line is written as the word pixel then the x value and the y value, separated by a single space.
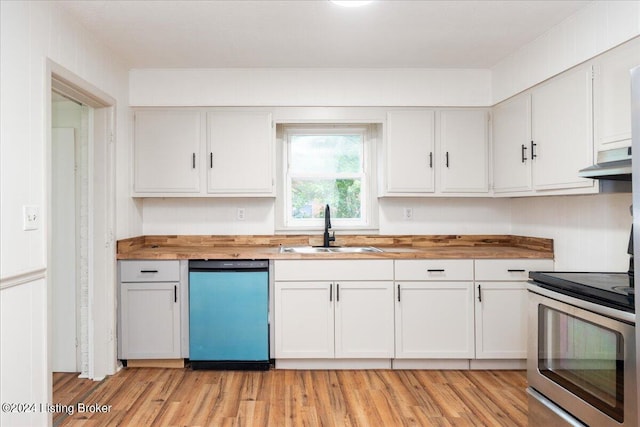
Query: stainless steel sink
pixel 323 250
pixel 355 249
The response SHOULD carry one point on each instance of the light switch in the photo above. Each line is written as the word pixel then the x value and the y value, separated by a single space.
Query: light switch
pixel 31 217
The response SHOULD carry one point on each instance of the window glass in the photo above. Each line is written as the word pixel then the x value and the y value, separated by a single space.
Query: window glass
pixel 326 166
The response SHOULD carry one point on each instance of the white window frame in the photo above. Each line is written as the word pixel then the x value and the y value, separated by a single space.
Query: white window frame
pixel 368 219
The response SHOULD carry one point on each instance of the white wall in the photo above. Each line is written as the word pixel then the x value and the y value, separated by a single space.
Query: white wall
pixel 207 216
pixel 590 233
pixel 30 33
pixel 600 26
pixel 446 216
pixel 309 87
pixel 430 216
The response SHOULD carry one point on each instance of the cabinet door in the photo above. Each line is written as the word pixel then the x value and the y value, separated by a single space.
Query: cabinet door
pixel 150 316
pixel 464 152
pixel 364 320
pixel 167 151
pixel 501 320
pixel 304 320
pixel 511 144
pixel 612 96
pixel 410 152
pixel 434 320
pixel 562 131
pixel 240 152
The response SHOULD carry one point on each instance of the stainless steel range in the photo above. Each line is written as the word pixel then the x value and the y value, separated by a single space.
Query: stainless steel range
pixel 581 361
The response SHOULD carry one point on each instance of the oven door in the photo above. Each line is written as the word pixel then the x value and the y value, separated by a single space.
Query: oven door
pixel 582 361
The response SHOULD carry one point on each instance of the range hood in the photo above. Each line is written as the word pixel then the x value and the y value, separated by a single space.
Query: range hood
pixel 612 165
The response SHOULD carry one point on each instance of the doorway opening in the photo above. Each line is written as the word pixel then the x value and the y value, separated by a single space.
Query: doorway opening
pixel 80 223
pixel 68 271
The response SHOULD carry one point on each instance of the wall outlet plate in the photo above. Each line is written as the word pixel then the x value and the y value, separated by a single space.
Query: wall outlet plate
pixel 240 214
pixel 407 214
pixel 30 217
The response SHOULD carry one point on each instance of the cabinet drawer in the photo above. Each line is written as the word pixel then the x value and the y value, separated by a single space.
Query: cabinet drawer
pixel 150 271
pixel 331 270
pixel 510 269
pixel 432 269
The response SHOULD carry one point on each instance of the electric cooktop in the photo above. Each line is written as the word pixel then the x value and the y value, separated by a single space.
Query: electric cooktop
pixel 608 289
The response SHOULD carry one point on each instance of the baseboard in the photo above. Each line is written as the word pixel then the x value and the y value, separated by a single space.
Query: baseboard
pixel 333 363
pixel 155 363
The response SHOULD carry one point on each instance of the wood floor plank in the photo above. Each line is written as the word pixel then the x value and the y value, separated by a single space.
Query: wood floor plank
pixel 182 397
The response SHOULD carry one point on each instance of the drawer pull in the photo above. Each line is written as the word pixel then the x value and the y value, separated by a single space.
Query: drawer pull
pixel 148 271
pixel 436 270
pixel 515 270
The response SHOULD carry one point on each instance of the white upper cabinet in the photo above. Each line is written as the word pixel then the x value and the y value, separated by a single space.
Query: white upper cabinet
pixel 186 152
pixel 511 145
pixel 562 132
pixel 167 151
pixel 436 152
pixel 409 151
pixel 543 137
pixel 464 151
pixel 612 96
pixel 240 152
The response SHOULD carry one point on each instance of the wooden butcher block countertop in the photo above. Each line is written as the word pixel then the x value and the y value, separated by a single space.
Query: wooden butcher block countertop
pixel 393 247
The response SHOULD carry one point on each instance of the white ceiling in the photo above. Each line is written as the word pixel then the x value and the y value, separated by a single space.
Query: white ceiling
pixel 317 33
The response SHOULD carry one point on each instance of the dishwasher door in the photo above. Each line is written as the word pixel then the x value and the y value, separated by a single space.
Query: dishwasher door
pixel 228 315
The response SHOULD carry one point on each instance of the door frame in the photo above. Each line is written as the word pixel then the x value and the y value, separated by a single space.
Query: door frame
pixel 101 319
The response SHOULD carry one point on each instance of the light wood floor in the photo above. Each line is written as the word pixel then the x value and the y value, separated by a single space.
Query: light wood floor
pixel 182 397
pixel 69 389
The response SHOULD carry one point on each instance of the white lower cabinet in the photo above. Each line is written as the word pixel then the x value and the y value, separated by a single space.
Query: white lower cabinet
pixel 434 309
pixel 304 320
pixel 152 304
pixel 441 314
pixel 364 320
pixel 151 321
pixel 501 320
pixel 501 306
pixel 333 319
pixel 434 320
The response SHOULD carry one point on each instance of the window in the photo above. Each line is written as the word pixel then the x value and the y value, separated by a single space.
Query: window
pixel 327 165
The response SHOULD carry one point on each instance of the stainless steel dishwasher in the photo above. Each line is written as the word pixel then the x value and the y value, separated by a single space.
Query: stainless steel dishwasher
pixel 228 314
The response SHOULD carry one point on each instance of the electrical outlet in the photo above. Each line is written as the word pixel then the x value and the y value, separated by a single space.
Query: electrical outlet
pixel 30 218
pixel 407 214
pixel 240 214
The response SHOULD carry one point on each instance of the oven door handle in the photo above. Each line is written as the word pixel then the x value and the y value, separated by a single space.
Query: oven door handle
pixel 620 315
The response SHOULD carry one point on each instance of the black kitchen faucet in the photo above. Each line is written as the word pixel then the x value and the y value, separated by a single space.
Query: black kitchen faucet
pixel 327 225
